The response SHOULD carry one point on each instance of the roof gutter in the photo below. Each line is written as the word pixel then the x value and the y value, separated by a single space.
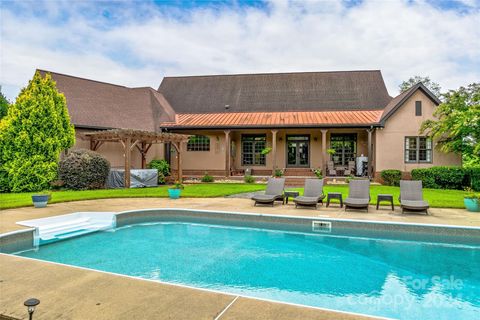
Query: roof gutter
pixel 352 125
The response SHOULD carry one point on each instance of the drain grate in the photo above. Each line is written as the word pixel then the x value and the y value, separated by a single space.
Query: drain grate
pixel 321 226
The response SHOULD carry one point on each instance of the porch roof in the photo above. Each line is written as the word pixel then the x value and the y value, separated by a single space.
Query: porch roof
pixel 275 119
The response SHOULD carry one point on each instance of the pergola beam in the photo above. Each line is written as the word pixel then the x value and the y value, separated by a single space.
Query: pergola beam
pixel 142 140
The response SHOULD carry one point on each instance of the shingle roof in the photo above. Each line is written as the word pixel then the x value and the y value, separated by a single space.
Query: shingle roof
pixel 97 104
pixel 278 92
pixel 276 119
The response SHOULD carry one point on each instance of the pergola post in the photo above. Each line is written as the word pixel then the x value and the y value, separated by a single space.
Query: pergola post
pixel 227 153
pixel 274 151
pixel 128 153
pixel 324 151
pixel 142 140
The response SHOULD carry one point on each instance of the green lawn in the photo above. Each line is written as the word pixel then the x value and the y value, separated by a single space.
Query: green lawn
pixel 14 200
pixel 436 198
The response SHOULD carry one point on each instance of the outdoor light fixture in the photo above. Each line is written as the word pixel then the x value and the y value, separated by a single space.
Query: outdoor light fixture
pixel 31 304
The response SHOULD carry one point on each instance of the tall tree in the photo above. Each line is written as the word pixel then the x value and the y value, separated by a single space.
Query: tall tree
pixel 32 135
pixel 457 128
pixel 432 86
pixel 3 105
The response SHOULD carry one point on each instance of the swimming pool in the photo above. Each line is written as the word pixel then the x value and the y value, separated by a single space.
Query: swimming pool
pixel 350 270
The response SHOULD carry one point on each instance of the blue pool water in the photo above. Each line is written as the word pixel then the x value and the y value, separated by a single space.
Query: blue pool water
pixel 392 278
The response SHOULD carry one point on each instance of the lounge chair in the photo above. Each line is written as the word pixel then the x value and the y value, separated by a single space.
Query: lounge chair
pixel 358 194
pixel 312 194
pixel 411 196
pixel 273 193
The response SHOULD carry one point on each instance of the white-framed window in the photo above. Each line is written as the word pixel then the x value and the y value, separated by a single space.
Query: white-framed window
pixel 418 149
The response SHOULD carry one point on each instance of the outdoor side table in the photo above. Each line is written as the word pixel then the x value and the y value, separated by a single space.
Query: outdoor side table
pixel 292 194
pixel 385 197
pixel 335 195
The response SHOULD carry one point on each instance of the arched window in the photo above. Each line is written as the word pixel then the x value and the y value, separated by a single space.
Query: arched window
pixel 198 143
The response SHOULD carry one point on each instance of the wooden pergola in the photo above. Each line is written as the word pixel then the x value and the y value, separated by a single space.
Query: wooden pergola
pixel 142 140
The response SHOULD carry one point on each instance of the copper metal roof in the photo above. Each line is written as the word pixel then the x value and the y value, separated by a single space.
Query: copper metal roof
pixel 275 119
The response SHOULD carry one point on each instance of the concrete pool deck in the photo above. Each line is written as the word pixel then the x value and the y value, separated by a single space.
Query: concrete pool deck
pixel 73 293
pixel 442 216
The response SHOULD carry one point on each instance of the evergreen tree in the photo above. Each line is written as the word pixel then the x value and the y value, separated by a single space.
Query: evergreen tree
pixel 32 135
pixel 3 105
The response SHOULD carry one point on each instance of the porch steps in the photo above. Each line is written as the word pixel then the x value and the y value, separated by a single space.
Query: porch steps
pixel 298 172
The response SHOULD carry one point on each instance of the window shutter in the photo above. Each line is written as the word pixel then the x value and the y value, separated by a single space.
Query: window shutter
pixel 418 108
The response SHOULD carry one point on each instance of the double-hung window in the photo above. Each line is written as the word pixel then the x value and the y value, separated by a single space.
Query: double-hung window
pixel 252 147
pixel 418 149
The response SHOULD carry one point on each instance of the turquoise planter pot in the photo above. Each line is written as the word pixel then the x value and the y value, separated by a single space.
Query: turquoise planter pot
pixel 472 205
pixel 174 193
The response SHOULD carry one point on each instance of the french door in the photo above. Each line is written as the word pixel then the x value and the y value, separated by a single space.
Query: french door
pixel 298 151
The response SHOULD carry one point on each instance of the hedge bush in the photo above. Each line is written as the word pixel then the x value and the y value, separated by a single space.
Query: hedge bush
pixel 83 169
pixel 474 175
pixel 391 177
pixel 163 169
pixel 207 178
pixel 448 177
pixel 249 179
pixel 426 175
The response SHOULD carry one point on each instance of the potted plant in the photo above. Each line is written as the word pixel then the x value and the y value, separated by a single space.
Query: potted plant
pixel 278 173
pixel 331 152
pixel 266 151
pixel 175 190
pixel 472 201
pixel 318 173
pixel 41 199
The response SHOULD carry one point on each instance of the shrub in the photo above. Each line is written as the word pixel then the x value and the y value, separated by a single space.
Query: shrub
pixel 163 169
pixel 84 169
pixel 446 177
pixel 207 178
pixel 426 176
pixel 391 177
pixel 449 177
pixel 249 179
pixel 278 173
pixel 318 173
pixel 474 178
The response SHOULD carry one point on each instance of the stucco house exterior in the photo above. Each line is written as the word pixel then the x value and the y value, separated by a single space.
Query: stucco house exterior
pixel 263 122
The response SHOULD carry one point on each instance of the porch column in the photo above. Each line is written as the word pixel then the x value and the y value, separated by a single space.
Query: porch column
pixel 369 147
pixel 227 153
pixel 128 153
pixel 324 151
pixel 274 150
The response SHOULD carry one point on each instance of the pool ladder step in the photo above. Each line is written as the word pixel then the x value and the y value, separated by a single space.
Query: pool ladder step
pixel 69 229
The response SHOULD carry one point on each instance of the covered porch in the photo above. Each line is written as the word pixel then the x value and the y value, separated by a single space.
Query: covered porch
pixel 336 152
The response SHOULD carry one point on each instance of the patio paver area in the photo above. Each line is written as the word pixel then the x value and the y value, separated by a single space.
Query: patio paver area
pixel 459 217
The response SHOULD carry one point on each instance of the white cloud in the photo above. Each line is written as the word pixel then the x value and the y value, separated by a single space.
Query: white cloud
pixel 400 38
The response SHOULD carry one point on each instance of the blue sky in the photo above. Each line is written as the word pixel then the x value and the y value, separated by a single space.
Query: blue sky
pixel 136 43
